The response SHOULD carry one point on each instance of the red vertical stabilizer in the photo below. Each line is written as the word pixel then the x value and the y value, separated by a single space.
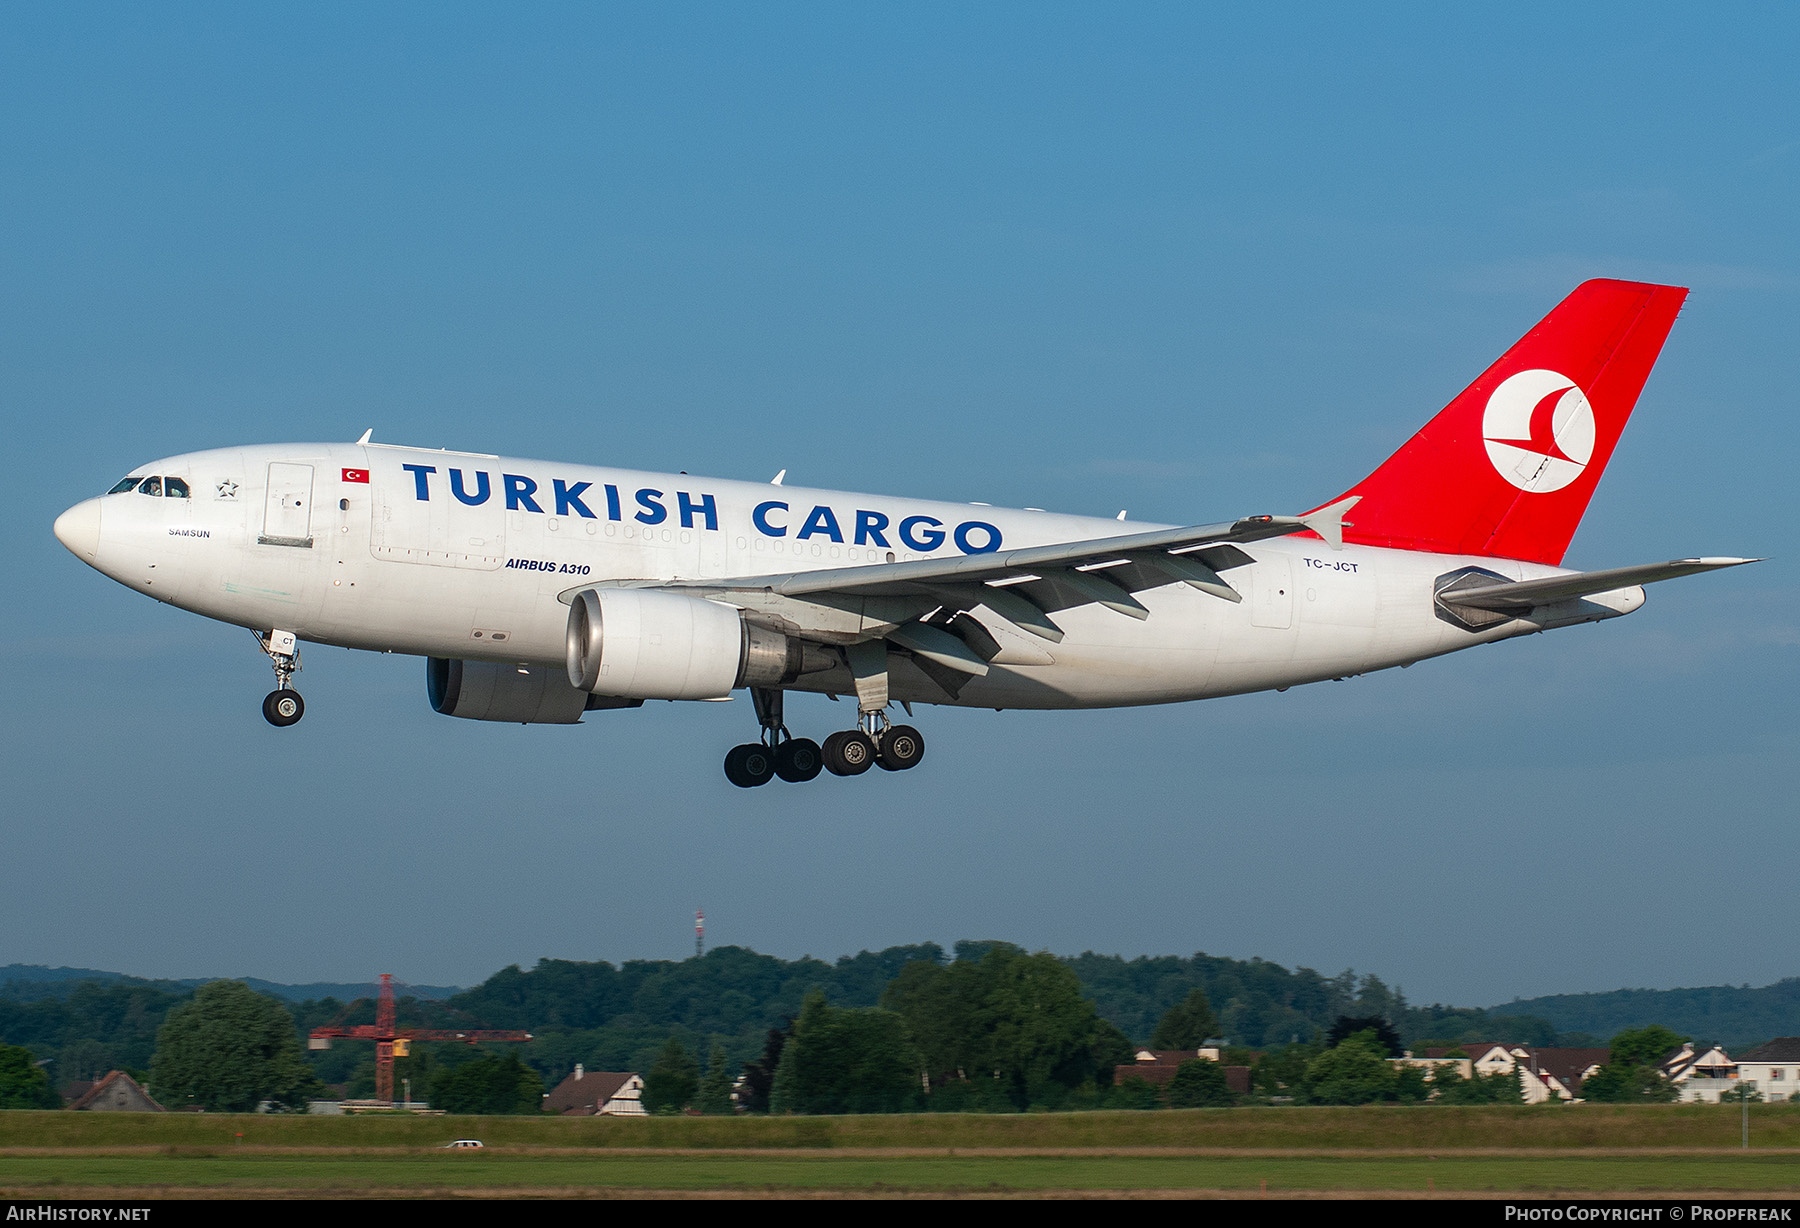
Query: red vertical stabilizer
pixel 1507 468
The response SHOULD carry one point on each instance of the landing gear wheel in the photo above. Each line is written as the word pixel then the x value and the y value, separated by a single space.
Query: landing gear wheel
pixel 283 708
pixel 798 760
pixel 901 747
pixel 849 753
pixel 749 765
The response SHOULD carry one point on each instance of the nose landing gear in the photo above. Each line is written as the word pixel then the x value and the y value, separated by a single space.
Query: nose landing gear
pixel 282 706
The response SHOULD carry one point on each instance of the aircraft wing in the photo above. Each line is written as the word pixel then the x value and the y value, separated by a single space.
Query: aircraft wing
pixel 1025 585
pixel 1524 595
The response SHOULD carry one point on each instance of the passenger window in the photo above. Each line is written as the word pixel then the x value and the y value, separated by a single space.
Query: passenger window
pixel 127 484
pixel 151 486
pixel 175 488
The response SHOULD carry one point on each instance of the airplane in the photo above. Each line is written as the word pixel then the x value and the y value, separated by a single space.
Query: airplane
pixel 538 591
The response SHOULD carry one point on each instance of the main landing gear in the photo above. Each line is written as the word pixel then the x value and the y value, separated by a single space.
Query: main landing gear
pixel 850 753
pixel 282 706
pixel 779 753
pixel 876 743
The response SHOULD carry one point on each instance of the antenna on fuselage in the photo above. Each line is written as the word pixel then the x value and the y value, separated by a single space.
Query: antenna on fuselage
pixel 776 480
pixel 365 437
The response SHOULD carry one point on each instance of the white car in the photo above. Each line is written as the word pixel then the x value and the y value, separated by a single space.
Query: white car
pixel 464 1144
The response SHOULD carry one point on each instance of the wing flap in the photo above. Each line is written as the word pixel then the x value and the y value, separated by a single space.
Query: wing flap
pixel 1023 586
pixel 940 646
pixel 919 574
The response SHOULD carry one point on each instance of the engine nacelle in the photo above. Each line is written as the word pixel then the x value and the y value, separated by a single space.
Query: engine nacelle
pixel 655 645
pixel 521 694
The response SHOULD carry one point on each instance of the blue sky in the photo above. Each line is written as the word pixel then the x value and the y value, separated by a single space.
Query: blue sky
pixel 1192 262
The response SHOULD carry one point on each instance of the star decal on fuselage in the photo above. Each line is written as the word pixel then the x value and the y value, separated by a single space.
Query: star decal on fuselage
pixel 228 489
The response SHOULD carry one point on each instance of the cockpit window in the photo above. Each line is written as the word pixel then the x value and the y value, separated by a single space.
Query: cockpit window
pixel 150 486
pixel 174 488
pixel 127 484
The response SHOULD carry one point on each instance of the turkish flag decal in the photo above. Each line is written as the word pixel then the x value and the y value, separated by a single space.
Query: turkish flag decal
pixel 356 475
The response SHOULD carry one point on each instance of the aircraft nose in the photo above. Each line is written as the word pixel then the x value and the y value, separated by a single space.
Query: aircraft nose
pixel 79 529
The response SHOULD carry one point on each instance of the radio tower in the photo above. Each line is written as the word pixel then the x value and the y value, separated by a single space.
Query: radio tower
pixel 699 934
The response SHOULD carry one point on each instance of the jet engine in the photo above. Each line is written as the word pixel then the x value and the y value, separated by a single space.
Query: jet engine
pixel 649 644
pixel 490 691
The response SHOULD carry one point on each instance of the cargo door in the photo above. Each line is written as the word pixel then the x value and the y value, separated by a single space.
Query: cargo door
pixel 461 525
pixel 287 509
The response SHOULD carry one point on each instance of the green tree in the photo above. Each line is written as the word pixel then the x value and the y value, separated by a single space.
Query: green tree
pixel 851 1061
pixel 1282 1071
pixel 1447 1083
pixel 1187 1025
pixel 1615 1083
pixel 1134 1092
pixel 759 1076
pixel 1410 1085
pixel 1631 1074
pixel 984 1094
pixel 715 1087
pixel 1111 1049
pixel 1354 1072
pixel 1646 1046
pixel 1199 1084
pixel 87 1059
pixel 23 1083
pixel 673 1080
pixel 1041 1029
pixel 784 1088
pixel 1448 1086
pixel 1507 1087
pixel 228 1050
pixel 488 1085
pixel 940 1005
pixel 1380 1030
pixel 1019 1018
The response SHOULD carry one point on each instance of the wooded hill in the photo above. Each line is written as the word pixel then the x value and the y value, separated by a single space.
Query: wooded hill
pixel 613 1017
pixel 1734 1016
pixel 40 980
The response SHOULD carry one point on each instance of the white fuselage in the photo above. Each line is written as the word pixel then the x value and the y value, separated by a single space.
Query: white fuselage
pixel 480 567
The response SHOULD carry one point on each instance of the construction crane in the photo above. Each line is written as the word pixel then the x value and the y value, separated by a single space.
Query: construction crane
pixel 392 1042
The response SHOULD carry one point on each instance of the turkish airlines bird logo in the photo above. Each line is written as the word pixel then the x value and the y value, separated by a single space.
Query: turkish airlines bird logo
pixel 1539 430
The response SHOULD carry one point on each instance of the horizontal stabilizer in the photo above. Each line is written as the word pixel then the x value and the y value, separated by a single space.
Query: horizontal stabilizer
pixel 1518 597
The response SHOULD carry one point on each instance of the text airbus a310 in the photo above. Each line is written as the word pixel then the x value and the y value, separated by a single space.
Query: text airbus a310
pixel 538 591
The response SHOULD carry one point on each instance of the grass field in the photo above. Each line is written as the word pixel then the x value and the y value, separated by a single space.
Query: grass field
pixel 1584 1150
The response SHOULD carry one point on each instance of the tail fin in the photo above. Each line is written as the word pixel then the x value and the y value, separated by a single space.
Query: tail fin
pixel 1507 468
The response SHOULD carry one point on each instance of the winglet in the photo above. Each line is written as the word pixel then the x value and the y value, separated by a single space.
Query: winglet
pixel 1328 521
pixel 365 437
